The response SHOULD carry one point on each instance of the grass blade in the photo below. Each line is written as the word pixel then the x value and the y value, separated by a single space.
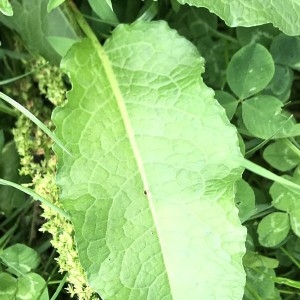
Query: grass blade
pixel 35 196
pixel 269 175
pixel 34 119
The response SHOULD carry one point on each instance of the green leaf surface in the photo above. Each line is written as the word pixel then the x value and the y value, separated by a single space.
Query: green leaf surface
pixel 150 183
pixel 293 248
pixel 284 198
pixel 200 27
pixel 282 155
pixel 287 200
pixel 193 22
pixel 8 286
pixel 262 34
pixel 245 200
pixel 2 141
pixel 10 198
pixel 284 15
pixel 31 16
pixel 5 8
pixel 32 287
pixel 255 260
pixel 286 51
pixel 265 119
pixel 250 70
pixel 20 259
pixel 53 4
pixel 61 44
pixel 104 9
pixel 280 85
pixel 215 61
pixel 228 102
pixel 273 229
pixel 260 285
pixel 33 118
pixel 295 220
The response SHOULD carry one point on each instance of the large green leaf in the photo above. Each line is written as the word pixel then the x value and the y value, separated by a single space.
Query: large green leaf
pixel 150 183
pixel 283 14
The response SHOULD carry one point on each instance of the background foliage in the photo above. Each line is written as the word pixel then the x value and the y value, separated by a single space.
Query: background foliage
pixel 137 108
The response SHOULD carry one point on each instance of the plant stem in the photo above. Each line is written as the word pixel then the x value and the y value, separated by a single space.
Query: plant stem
pixel 291 257
pixel 84 25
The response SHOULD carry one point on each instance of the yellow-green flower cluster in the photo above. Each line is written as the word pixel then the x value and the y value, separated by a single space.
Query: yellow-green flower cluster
pixel 39 162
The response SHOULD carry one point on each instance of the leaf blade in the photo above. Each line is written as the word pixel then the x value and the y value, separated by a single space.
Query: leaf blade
pixel 144 185
pixel 285 17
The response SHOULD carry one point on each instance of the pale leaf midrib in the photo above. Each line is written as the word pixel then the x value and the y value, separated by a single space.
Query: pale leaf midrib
pixel 104 59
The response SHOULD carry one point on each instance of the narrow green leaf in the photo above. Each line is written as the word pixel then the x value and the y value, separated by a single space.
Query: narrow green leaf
pixel 104 9
pixel 267 174
pixel 241 13
pixel 60 287
pixel 11 198
pixel 291 251
pixel 53 4
pixel 34 119
pixel 6 110
pixel 35 196
pixel 250 70
pixel 149 191
pixel 273 229
pixel 10 80
pixel 5 8
pixel 286 281
pixel 149 11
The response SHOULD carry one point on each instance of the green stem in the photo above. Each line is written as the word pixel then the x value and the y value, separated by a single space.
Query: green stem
pixel 36 196
pixel 292 147
pixel 100 20
pixel 84 25
pixel 291 257
pixel 60 287
pixel 222 36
